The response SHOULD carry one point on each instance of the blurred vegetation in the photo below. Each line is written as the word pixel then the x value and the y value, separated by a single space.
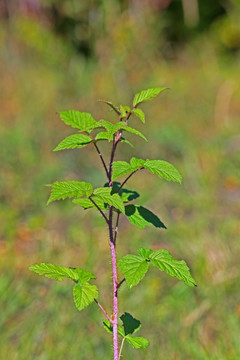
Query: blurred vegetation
pixel 67 54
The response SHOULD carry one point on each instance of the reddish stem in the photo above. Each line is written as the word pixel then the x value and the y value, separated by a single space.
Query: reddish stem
pixel 103 310
pixel 102 160
pixel 115 301
pixel 114 262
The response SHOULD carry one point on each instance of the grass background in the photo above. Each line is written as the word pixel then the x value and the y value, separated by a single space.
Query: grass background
pixel 194 125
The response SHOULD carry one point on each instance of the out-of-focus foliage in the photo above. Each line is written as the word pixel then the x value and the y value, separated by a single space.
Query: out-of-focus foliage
pixel 194 125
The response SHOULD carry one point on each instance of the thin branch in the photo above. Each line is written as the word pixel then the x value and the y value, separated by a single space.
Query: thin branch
pixel 126 180
pixel 120 283
pixel 104 311
pixel 116 228
pixel 120 351
pixel 101 157
pixel 106 219
pixel 129 114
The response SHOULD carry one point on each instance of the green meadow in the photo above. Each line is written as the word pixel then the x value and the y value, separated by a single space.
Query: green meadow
pixel 194 125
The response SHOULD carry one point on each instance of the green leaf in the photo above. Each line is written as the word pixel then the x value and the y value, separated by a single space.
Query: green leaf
pixel 113 128
pixel 79 120
pixel 133 268
pixel 105 124
pixel 67 189
pixel 125 194
pixel 139 113
pixel 163 169
pixel 136 163
pixel 84 294
pixel 126 108
pixel 87 204
pixel 146 95
pixel 73 141
pixel 59 272
pixel 141 217
pixel 123 111
pixel 104 135
pixel 105 195
pixel 120 168
pixel 130 324
pixel 137 342
pixel 109 328
pixel 126 141
pixel 145 253
pixel 134 131
pixel 177 268
pixel 114 107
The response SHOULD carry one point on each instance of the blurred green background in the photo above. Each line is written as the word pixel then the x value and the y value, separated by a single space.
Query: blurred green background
pixel 60 55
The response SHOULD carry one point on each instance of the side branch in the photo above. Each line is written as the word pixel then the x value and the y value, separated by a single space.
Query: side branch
pixel 104 311
pixel 101 157
pixel 102 213
pixel 127 180
pixel 120 283
pixel 120 352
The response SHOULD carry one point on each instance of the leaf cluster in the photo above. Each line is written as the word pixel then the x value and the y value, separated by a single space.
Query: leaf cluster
pixel 134 267
pixel 84 293
pixel 130 326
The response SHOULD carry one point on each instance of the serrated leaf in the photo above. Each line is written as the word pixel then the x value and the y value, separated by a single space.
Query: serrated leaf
pixel 145 253
pixel 141 217
pixel 177 268
pixel 126 108
pixel 136 163
pixel 133 268
pixel 114 107
pixel 146 95
pixel 130 324
pixel 113 128
pixel 105 124
pixel 84 294
pixel 123 111
pixel 79 120
pixel 163 169
pixel 73 141
pixel 68 189
pixel 109 328
pixel 126 141
pixel 105 195
pixel 104 135
pixel 125 194
pixel 59 272
pixel 87 204
pixel 128 195
pixel 138 342
pixel 134 131
pixel 139 113
pixel 120 168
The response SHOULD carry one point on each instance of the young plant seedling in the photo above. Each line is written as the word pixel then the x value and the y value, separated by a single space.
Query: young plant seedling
pixel 112 201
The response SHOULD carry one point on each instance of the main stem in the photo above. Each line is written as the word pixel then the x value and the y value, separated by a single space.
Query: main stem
pixel 114 263
pixel 115 299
